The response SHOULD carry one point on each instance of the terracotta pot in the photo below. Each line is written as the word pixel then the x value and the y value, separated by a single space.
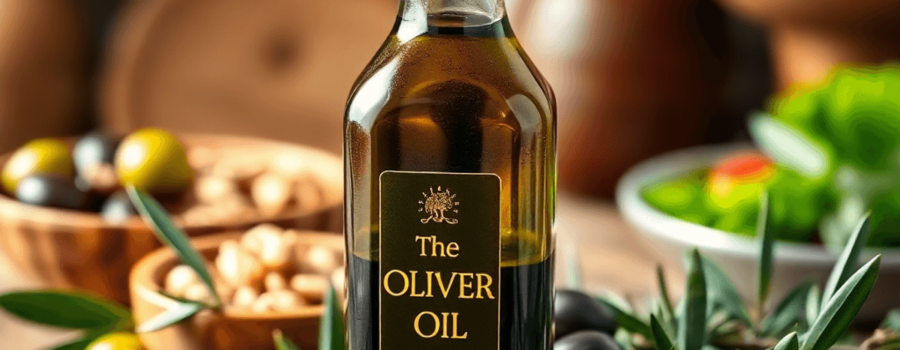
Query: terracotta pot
pixel 279 69
pixel 44 70
pixel 810 37
pixel 67 249
pixel 632 79
pixel 229 329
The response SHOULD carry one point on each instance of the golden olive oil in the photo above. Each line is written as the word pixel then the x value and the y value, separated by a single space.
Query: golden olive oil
pixel 450 161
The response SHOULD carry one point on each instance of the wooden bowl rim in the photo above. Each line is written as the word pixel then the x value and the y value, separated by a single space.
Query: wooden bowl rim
pixel 10 208
pixel 142 275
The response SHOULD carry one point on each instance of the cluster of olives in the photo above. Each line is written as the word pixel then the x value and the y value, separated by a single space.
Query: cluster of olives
pixel 91 176
pixel 582 323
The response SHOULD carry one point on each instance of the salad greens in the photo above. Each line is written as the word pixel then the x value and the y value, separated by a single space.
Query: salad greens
pixel 797 203
pixel 835 154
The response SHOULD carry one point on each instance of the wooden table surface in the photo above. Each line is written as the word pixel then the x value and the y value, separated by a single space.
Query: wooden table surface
pixel 610 254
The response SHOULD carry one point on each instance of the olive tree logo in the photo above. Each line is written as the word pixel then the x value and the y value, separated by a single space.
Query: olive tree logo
pixel 436 204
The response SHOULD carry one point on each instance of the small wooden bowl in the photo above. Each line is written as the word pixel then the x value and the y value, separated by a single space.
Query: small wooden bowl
pixel 225 330
pixel 73 249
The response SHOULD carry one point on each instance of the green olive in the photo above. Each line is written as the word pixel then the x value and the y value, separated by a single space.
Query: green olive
pixel 154 161
pixel 117 341
pixel 41 156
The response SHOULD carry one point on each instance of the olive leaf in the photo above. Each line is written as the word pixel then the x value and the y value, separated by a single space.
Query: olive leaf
pixel 790 147
pixel 660 338
pixel 664 290
pixel 766 235
pixel 282 343
pixel 573 267
pixel 692 321
pixel 790 312
pixel 812 304
pixel 666 319
pixel 66 309
pixel 623 316
pixel 711 311
pixel 178 312
pixel 849 257
pixel 172 236
pixel 789 342
pixel 331 327
pixel 722 296
pixel 624 339
pixel 184 300
pixel 841 309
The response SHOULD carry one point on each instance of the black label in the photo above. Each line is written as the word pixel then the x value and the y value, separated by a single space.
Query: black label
pixel 440 261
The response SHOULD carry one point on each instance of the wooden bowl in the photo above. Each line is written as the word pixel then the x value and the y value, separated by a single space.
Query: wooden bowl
pixel 225 330
pixel 624 58
pixel 72 249
pixel 810 37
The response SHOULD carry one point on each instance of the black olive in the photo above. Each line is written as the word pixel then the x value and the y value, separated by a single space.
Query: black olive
pixel 54 191
pixel 586 340
pixel 95 147
pixel 93 156
pixel 576 311
pixel 117 208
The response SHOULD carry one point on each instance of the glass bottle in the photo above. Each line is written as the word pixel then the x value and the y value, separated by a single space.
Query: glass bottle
pixel 450 180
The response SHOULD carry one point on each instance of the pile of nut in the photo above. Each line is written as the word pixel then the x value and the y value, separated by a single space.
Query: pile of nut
pixel 243 184
pixel 267 270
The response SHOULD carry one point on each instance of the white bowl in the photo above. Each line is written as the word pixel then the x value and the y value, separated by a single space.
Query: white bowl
pixel 737 255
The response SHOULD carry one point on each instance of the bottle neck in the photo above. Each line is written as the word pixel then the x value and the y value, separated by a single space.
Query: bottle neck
pixel 416 15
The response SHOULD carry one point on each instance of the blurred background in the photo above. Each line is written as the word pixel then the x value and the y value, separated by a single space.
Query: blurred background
pixel 633 79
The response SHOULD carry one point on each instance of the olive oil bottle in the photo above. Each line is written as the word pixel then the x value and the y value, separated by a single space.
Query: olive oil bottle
pixel 450 179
